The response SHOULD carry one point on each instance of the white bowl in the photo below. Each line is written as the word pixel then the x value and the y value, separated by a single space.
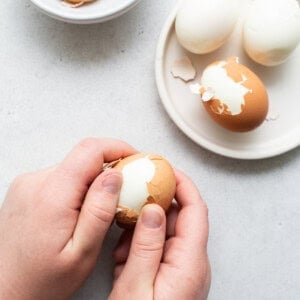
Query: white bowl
pixel 95 12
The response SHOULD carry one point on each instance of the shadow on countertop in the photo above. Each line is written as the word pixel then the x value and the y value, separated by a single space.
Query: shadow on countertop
pixel 205 158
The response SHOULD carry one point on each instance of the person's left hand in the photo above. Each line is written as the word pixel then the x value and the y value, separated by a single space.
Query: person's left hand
pixel 53 222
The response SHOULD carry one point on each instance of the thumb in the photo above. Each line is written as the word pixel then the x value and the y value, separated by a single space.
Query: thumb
pixel 97 212
pixel 146 251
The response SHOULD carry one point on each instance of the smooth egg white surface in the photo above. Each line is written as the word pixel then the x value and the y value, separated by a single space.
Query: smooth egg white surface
pixel 136 175
pixel 202 26
pixel 272 30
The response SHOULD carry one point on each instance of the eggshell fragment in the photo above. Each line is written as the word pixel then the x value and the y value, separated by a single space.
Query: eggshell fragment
pixel 147 178
pixel 272 116
pixel 183 69
pixel 77 3
pixel 239 98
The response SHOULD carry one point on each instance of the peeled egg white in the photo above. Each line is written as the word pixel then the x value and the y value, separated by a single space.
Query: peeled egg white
pixel 147 178
pixel 202 26
pixel 272 30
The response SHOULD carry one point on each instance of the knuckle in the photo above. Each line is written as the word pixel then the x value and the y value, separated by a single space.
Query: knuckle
pixel 147 248
pixel 65 172
pixel 19 180
pixel 102 214
pixel 87 142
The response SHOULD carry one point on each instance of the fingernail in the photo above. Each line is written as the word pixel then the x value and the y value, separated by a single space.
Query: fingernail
pixel 151 218
pixel 112 183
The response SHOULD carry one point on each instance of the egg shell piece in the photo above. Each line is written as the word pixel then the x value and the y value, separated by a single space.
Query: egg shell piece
pixel 253 108
pixel 203 26
pixel 271 31
pixel 156 185
pixel 183 69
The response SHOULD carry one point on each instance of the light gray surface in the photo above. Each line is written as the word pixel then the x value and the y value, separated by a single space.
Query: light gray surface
pixel 60 83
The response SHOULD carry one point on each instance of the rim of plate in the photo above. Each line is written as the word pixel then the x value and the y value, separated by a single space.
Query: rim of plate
pixel 179 121
pixel 87 18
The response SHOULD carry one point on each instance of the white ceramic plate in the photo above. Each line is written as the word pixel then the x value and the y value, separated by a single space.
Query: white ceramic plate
pixel 95 12
pixel 273 137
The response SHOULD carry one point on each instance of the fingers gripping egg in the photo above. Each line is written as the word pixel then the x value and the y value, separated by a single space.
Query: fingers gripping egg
pixel 233 95
pixel 147 178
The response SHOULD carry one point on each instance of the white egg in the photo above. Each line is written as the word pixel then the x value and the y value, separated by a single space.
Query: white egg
pixel 272 30
pixel 202 26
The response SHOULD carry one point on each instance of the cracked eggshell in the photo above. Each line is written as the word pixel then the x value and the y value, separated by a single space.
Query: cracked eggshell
pixel 183 69
pixel 240 100
pixel 159 185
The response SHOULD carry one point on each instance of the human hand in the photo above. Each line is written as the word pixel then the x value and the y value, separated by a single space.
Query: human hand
pixel 166 258
pixel 52 222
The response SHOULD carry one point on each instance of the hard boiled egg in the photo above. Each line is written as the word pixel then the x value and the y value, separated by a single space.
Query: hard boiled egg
pixel 147 178
pixel 272 30
pixel 202 26
pixel 233 95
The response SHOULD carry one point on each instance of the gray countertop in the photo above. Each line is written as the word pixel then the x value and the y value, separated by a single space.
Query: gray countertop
pixel 60 83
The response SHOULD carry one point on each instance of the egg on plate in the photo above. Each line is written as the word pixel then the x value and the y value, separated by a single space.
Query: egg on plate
pixel 271 30
pixel 233 95
pixel 202 26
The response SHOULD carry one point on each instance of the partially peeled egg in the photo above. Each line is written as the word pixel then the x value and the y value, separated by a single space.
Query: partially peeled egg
pixel 233 95
pixel 147 178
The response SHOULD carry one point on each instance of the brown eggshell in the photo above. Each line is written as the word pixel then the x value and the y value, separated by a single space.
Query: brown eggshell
pixel 255 109
pixel 161 188
pixel 78 3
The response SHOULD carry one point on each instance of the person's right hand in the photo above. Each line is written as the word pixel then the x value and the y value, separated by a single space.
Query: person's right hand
pixel 166 258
